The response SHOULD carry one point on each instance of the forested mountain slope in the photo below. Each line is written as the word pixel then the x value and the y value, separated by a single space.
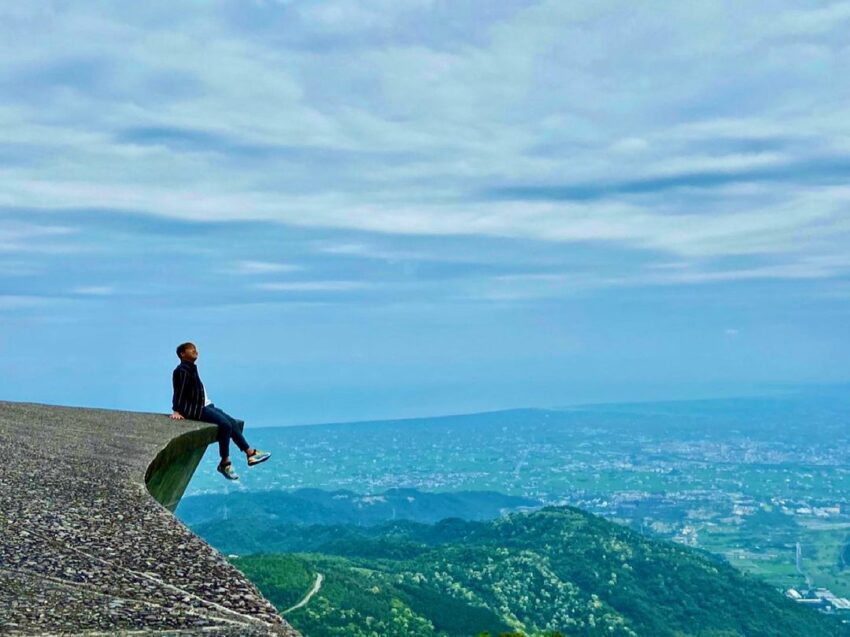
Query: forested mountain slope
pixel 557 569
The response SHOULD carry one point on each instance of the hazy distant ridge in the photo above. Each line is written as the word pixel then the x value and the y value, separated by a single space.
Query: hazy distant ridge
pixel 317 506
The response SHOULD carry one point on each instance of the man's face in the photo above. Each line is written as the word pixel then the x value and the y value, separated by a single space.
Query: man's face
pixel 190 354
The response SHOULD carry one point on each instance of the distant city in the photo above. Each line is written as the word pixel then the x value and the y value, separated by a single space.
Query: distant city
pixel 763 482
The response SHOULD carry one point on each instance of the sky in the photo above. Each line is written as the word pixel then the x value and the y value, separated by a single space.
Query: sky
pixel 380 209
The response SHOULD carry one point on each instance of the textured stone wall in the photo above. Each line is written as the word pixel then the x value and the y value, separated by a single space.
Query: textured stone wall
pixel 86 549
pixel 170 472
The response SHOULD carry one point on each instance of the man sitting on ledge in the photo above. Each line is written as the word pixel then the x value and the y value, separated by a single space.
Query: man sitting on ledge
pixel 190 401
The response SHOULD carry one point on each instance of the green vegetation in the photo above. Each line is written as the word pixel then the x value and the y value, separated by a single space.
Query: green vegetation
pixel 745 478
pixel 285 578
pixel 558 569
pixel 749 480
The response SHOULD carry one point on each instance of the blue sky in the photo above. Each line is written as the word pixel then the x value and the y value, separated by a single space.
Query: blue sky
pixel 366 209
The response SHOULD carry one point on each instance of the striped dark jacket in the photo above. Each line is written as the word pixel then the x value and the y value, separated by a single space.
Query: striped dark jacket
pixel 188 398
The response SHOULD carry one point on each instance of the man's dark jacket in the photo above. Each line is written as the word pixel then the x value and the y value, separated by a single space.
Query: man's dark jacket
pixel 189 395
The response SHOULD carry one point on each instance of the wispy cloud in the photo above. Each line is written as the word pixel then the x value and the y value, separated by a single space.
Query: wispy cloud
pixel 530 121
pixel 17 236
pixel 17 302
pixel 693 173
pixel 522 189
pixel 312 286
pixel 19 268
pixel 94 290
pixel 529 286
pixel 262 267
pixel 371 251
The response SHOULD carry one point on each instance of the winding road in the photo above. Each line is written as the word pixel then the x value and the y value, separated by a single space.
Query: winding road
pixel 316 586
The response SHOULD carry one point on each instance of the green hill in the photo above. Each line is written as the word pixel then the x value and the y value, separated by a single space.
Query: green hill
pixel 557 569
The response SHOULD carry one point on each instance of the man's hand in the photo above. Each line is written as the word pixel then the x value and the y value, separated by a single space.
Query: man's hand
pixel 176 415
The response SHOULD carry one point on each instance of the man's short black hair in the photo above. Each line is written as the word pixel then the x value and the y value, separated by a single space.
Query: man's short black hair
pixel 183 347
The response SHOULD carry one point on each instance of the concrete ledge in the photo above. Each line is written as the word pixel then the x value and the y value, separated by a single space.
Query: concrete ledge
pixel 170 472
pixel 84 547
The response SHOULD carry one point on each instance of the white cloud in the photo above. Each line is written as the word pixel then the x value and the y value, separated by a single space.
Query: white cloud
pixel 312 286
pixel 345 16
pixel 369 251
pixel 16 302
pixel 19 268
pixel 527 286
pixel 94 290
pixel 262 267
pixel 805 269
pixel 812 21
pixel 280 125
pixel 808 218
pixel 17 236
pixel 629 145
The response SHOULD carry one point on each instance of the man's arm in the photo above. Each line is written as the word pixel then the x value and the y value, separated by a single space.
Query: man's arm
pixel 178 380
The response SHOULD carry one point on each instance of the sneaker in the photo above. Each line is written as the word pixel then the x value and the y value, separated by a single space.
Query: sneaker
pixel 227 471
pixel 257 457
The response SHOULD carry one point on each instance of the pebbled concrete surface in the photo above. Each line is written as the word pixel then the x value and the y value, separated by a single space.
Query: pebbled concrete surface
pixel 86 550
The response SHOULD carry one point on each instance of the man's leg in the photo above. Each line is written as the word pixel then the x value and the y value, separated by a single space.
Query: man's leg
pixel 216 416
pixel 236 427
pixel 229 427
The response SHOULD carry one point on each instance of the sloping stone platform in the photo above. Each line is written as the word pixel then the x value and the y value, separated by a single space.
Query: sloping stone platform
pixel 84 547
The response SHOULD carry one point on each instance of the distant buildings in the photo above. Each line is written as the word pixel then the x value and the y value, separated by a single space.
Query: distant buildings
pixel 821 598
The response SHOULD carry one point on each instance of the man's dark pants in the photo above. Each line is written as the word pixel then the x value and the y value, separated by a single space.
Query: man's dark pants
pixel 228 427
